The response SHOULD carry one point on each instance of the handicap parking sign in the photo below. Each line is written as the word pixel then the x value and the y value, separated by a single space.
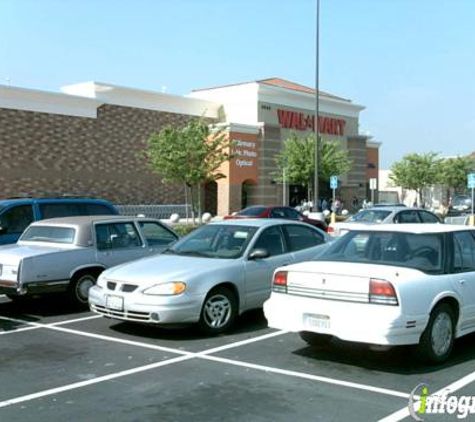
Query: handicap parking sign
pixel 333 182
pixel 471 180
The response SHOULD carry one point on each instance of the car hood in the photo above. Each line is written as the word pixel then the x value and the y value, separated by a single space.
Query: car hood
pixel 13 254
pixel 166 267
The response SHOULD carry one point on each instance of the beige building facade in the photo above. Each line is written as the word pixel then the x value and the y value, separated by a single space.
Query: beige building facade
pixel 88 140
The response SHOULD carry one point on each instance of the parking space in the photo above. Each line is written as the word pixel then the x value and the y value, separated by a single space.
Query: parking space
pixel 58 363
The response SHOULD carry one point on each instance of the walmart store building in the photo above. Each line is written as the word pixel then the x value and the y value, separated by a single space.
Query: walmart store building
pixel 87 141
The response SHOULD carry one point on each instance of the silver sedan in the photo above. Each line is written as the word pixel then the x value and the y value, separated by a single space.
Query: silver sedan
pixel 209 277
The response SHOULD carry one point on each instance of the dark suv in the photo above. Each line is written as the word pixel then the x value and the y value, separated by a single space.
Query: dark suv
pixel 17 214
pixel 461 205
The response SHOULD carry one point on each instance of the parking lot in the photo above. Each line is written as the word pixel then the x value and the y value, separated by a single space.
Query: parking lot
pixel 62 364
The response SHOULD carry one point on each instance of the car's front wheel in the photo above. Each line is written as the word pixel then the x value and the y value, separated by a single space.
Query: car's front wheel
pixel 79 287
pixel 315 339
pixel 438 338
pixel 219 311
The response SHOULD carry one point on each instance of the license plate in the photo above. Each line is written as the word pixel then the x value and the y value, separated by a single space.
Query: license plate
pixel 115 302
pixel 317 321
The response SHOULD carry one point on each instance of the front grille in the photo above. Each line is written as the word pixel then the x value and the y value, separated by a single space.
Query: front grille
pixel 129 288
pixel 125 315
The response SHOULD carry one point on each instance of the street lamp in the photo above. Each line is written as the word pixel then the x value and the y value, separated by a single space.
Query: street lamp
pixel 317 109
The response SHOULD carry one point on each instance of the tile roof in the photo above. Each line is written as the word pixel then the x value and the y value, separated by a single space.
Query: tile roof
pixel 280 83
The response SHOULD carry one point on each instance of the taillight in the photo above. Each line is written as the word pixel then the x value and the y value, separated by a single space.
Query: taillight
pixel 382 292
pixel 280 282
pixel 330 230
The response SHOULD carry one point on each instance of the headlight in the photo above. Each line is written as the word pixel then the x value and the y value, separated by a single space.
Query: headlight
pixel 166 289
pixel 101 281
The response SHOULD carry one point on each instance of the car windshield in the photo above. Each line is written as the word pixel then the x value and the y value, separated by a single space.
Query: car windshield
pixel 461 200
pixel 370 216
pixel 215 241
pixel 49 234
pixel 252 211
pixel 419 251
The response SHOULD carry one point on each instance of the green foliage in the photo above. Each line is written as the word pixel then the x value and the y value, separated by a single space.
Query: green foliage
pixel 190 155
pixel 416 171
pixel 454 172
pixel 298 159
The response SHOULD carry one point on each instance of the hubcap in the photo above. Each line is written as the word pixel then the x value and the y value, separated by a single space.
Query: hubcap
pixel 441 334
pixel 217 311
pixel 83 286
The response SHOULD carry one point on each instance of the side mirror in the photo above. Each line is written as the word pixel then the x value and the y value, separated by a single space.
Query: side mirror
pixel 258 254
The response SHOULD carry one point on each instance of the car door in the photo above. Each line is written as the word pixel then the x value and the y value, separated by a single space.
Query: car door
pixel 464 275
pixel 259 271
pixel 303 241
pixel 118 242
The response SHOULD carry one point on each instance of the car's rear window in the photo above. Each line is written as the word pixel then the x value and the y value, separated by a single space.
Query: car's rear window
pixel 252 211
pixel 52 234
pixel 370 216
pixel 423 252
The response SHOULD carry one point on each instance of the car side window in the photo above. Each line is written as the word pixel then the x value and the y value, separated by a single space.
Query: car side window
pixel 271 240
pixel 156 234
pixel 117 236
pixel 427 217
pixel 97 209
pixel 291 214
pixel 405 217
pixel 299 237
pixel 16 219
pixel 464 252
pixel 277 213
pixel 59 210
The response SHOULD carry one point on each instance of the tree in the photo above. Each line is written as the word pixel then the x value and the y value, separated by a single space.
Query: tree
pixel 190 155
pixel 298 159
pixel 454 172
pixel 416 172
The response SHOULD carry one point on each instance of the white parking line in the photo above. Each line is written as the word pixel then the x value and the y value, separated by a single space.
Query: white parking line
pixel 457 385
pixel 186 356
pixel 37 326
pixel 92 381
pixel 309 376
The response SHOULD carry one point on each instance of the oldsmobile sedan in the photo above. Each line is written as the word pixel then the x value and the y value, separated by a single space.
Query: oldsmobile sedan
pixel 68 254
pixel 385 285
pixel 209 277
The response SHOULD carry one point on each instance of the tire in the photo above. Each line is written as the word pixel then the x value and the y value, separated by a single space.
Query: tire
pixel 18 298
pixel 219 311
pixel 437 341
pixel 79 287
pixel 315 339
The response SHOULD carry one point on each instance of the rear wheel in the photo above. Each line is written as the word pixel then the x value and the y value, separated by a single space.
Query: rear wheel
pixel 438 338
pixel 79 287
pixel 315 339
pixel 219 311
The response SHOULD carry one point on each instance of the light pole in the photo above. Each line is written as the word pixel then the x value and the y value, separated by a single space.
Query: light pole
pixel 317 109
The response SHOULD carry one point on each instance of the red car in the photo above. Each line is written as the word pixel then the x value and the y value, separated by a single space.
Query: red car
pixel 287 213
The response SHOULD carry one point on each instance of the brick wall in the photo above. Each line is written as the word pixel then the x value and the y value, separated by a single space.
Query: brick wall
pixel 48 154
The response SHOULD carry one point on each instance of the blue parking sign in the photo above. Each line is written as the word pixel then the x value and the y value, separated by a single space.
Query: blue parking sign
pixel 471 180
pixel 333 182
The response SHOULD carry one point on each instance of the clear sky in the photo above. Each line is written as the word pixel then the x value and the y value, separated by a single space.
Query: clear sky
pixel 410 62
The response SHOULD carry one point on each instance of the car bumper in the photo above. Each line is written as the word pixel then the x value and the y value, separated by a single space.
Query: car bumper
pixel 357 322
pixel 149 309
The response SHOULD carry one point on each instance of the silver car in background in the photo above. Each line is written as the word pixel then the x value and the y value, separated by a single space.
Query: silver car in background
pixel 69 253
pixel 209 277
pixel 386 214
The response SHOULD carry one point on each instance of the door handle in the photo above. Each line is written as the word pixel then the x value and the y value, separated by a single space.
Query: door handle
pixel 462 281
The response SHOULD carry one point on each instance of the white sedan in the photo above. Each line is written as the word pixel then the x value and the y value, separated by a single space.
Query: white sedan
pixel 391 285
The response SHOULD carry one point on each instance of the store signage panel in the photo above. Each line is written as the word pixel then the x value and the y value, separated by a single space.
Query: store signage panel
pixel 301 121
